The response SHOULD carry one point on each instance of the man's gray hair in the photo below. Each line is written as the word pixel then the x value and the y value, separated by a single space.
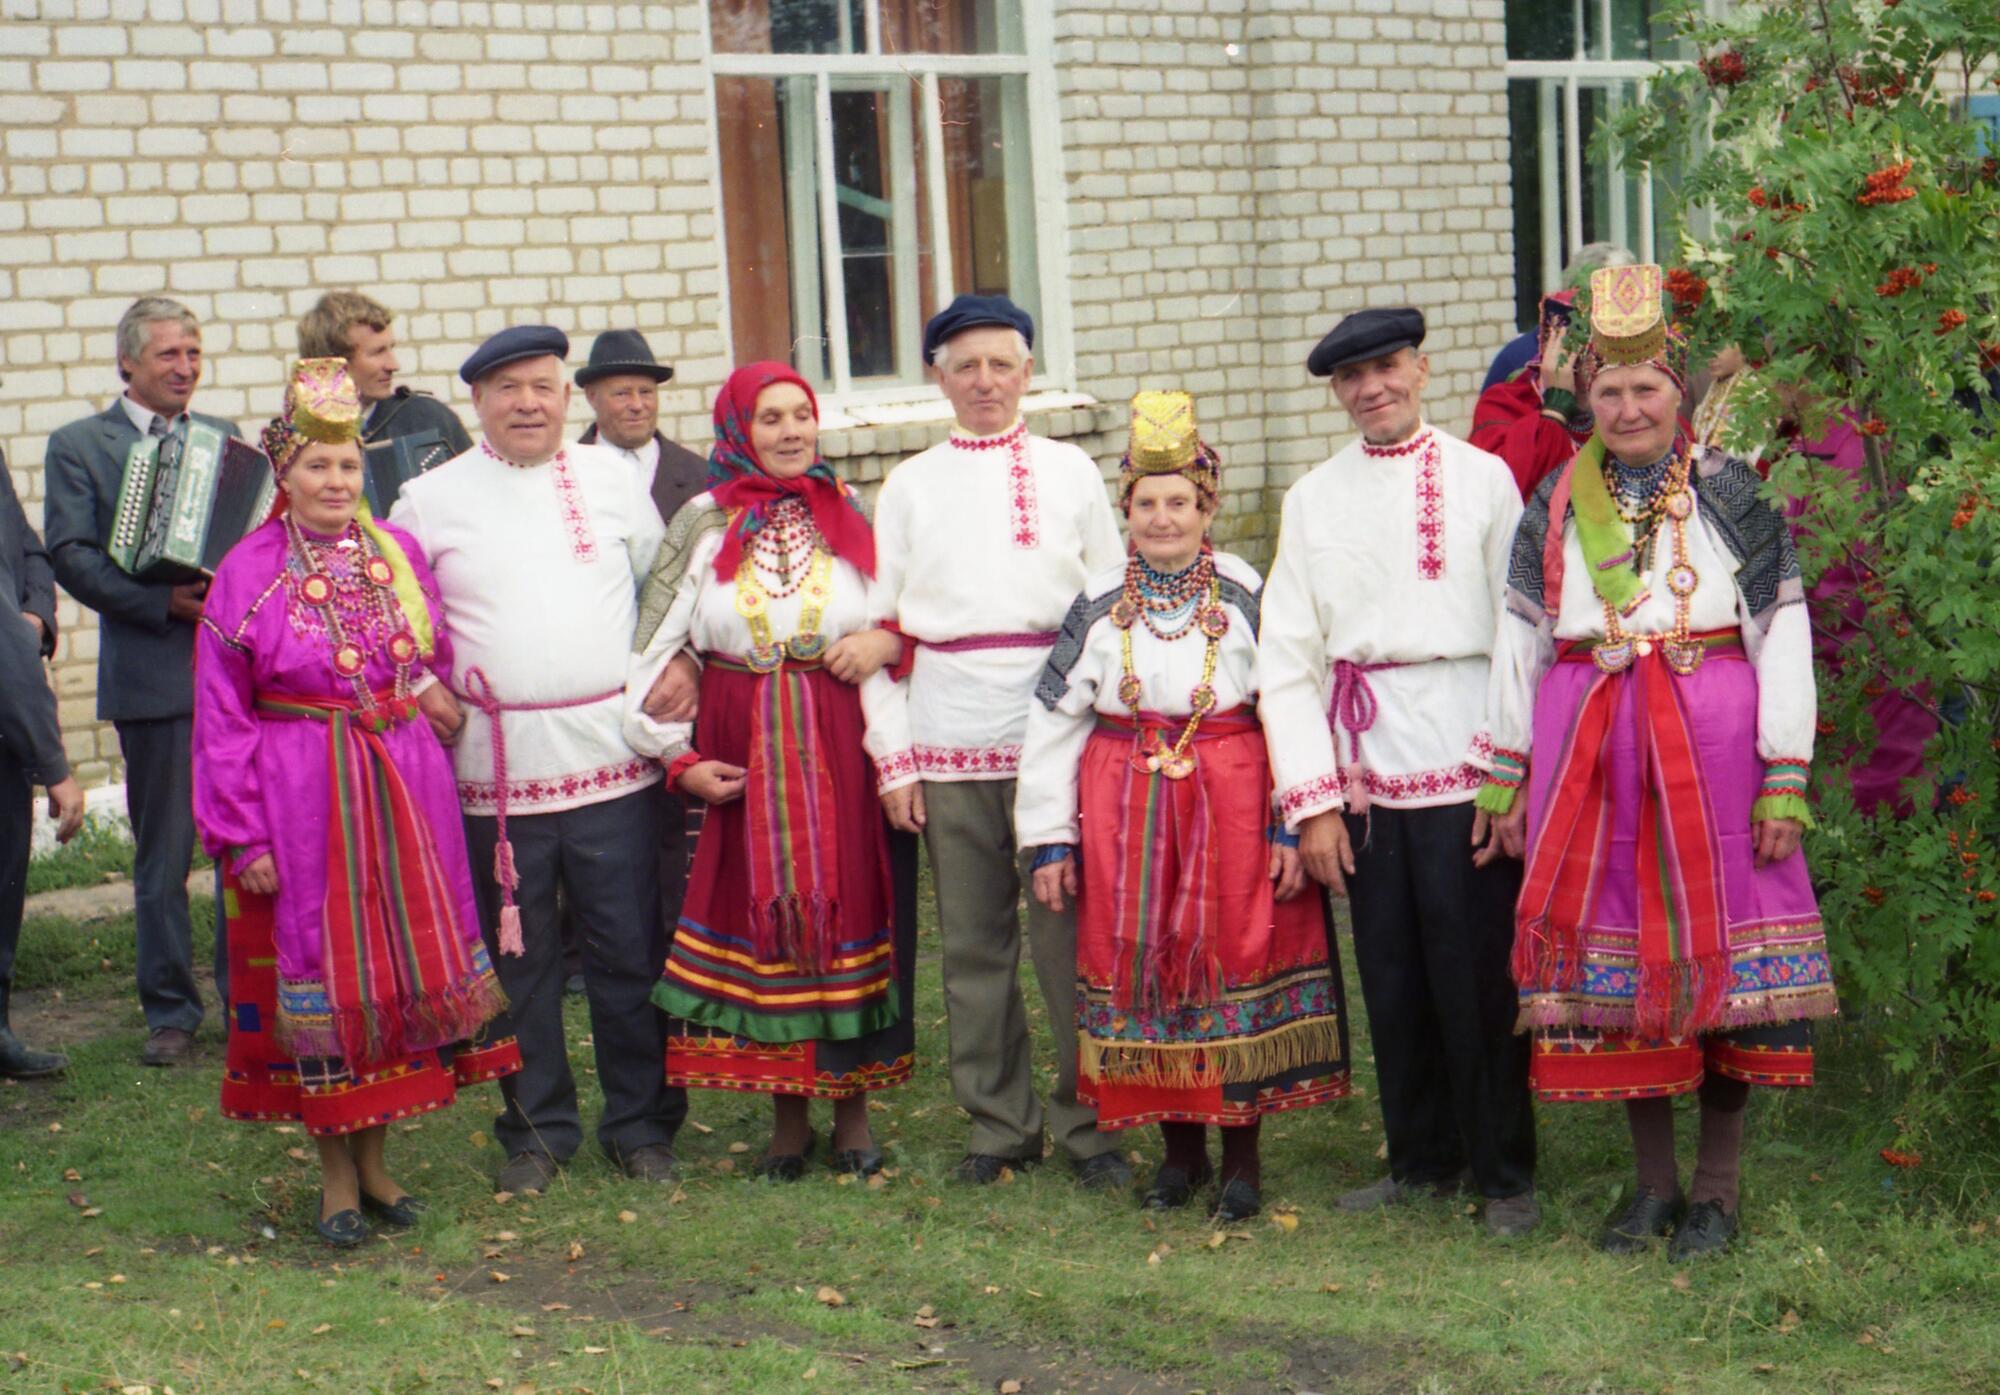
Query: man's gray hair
pixel 146 310
pixel 939 354
pixel 1590 257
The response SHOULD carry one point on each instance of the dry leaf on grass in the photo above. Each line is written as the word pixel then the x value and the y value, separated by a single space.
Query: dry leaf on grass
pixel 739 1147
pixel 831 1296
pixel 70 1174
pixel 1789 1323
pixel 520 1330
pixel 506 1237
pixel 575 1250
pixel 322 1329
pixel 1331 1288
pixel 699 1127
pixel 502 1198
pixel 1009 1387
pixel 627 1217
pixel 555 1307
pixel 497 1277
pixel 1681 1282
pixel 993 1288
pixel 495 1383
pixel 926 1316
pixel 296 1154
pixel 1285 1220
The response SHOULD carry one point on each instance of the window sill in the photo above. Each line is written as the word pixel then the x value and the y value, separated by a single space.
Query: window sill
pixel 877 428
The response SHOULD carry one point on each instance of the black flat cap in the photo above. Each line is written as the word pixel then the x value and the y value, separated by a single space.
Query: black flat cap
pixel 511 346
pixel 1366 334
pixel 972 311
pixel 618 352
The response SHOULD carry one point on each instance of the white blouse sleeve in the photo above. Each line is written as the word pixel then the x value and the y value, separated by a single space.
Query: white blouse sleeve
pixel 1045 793
pixel 1292 666
pixel 667 741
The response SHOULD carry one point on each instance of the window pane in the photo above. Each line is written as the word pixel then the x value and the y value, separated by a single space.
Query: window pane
pixel 1534 200
pixel 1541 28
pixel 990 189
pixel 786 26
pixel 951 26
pixel 885 254
pixel 1640 29
pixel 770 220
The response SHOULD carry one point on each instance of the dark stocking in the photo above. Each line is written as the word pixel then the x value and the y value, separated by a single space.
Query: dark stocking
pixel 791 1125
pixel 1652 1124
pixel 1239 1153
pixel 1187 1148
pixel 1718 1160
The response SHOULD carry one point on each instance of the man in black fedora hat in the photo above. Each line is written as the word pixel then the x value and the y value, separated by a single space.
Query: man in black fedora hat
pixel 622 384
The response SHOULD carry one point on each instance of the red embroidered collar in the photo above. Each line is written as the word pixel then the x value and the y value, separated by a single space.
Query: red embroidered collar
pixel 1011 436
pixel 1409 447
pixel 560 457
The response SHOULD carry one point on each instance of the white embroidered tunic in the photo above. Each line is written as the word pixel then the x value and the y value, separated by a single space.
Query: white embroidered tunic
pixel 1378 624
pixel 975 538
pixel 1772 618
pixel 1081 679
pixel 702 617
pixel 539 568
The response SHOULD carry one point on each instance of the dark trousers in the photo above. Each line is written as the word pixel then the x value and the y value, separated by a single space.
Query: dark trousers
pixel 605 859
pixel 1432 937
pixel 680 825
pixel 17 829
pixel 159 797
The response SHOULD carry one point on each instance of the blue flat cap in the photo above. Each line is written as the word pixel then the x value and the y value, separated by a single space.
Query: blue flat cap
pixel 1366 334
pixel 972 311
pixel 513 345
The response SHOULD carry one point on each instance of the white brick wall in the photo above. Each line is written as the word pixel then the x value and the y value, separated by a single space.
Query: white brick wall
pixel 1237 174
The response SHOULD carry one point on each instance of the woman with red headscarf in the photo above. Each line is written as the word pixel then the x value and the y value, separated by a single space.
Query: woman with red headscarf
pixel 791 966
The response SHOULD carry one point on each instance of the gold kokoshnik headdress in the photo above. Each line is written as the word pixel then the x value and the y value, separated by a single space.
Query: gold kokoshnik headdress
pixel 1165 442
pixel 1629 325
pixel 320 405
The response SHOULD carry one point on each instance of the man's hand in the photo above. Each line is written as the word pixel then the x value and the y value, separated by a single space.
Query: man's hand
pixel 440 708
pixel 1054 881
pixel 260 878
pixel 185 603
pixel 1495 836
pixel 1777 839
pixel 66 807
pixel 674 693
pixel 1328 855
pixel 714 781
pixel 1288 870
pixel 857 657
pixel 905 807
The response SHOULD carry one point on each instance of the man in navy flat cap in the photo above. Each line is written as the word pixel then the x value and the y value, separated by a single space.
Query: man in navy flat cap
pixel 539 550
pixel 1378 626
pixel 981 544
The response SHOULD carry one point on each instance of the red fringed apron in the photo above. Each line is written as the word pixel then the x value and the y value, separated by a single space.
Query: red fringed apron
pixel 398 973
pixel 1684 962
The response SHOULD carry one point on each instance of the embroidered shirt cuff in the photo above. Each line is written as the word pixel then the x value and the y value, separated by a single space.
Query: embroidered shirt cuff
pixel 1310 798
pixel 1050 853
pixel 895 770
pixel 1495 798
pixel 1782 806
pixel 1783 793
pixel 679 766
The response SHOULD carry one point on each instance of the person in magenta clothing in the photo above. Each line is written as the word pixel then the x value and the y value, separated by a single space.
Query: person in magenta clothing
pixel 359 986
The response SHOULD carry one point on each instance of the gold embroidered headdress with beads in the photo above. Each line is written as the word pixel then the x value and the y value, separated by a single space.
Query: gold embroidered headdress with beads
pixel 1165 441
pixel 321 404
pixel 1629 325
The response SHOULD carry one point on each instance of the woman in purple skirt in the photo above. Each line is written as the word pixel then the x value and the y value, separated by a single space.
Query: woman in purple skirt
pixel 1653 689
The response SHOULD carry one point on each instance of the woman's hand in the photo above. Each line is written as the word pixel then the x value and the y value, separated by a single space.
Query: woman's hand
pixel 1288 870
pixel 904 807
pixel 1777 839
pixel 714 781
pixel 1055 880
pixel 1326 851
pixel 442 711
pixel 260 878
pixel 1495 836
pixel 858 657
pixel 674 693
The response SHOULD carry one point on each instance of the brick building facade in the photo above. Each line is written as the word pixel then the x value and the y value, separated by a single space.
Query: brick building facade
pixel 1189 191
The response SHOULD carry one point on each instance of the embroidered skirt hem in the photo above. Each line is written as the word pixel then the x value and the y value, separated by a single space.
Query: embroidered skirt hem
pixel 1587 1066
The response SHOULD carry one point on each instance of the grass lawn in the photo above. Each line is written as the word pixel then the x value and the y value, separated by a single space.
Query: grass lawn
pixel 148 1244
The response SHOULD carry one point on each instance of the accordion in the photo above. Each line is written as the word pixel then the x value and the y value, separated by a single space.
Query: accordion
pixel 185 501
pixel 393 463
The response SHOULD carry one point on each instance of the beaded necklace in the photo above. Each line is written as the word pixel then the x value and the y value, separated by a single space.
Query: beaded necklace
pixel 793 534
pixel 1197 589
pixel 373 606
pixel 1673 501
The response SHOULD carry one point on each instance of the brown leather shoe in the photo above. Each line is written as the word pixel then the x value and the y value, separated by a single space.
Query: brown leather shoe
pixel 527 1173
pixel 653 1162
pixel 167 1046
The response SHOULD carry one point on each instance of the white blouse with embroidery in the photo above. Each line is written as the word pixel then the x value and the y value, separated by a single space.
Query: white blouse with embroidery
pixel 539 568
pixel 1378 624
pixel 976 537
pixel 1084 683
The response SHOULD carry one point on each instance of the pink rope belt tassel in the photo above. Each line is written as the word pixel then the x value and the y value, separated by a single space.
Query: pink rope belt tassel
pixel 1354 710
pixel 479 692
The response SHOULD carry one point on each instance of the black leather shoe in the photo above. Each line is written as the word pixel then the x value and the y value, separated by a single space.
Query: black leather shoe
pixel 984 1169
pixel 1644 1220
pixel 1173 1187
pixel 650 1162
pixel 858 1162
pixel 785 1167
pixel 1237 1201
pixel 527 1173
pixel 167 1046
pixel 1707 1230
pixel 404 1212
pixel 343 1229
pixel 19 1061
pixel 1107 1172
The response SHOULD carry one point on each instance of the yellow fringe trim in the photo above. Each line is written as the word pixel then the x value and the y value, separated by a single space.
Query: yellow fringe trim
pixel 1186 1065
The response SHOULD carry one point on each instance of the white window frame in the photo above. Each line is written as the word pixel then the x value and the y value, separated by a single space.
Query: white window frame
pixel 1038 170
pixel 1560 116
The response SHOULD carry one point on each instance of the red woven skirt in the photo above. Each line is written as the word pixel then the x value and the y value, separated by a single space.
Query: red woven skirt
pixel 1580 1065
pixel 261 1083
pixel 1190 859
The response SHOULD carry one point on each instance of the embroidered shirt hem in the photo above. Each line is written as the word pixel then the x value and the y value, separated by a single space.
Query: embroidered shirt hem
pixel 551 794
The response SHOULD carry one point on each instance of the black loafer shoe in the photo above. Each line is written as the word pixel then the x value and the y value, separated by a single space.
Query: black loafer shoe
pixel 404 1212
pixel 785 1167
pixel 343 1229
pixel 1173 1187
pixel 1107 1172
pixel 1706 1230
pixel 984 1169
pixel 1237 1201
pixel 19 1061
pixel 857 1162
pixel 1643 1221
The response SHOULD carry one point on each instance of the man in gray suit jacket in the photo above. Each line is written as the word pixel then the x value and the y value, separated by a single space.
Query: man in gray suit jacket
pixel 31 750
pixel 145 673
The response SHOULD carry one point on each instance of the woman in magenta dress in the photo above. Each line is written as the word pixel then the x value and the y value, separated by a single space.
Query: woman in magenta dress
pixel 358 983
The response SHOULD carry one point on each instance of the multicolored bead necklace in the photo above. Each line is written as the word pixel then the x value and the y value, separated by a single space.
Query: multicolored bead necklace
pixel 791 534
pixel 373 604
pixel 1672 500
pixel 1198 590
